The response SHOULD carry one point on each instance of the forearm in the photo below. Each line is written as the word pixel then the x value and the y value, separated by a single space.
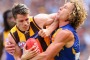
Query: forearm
pixel 56 46
pixel 50 52
pixel 23 58
pixel 17 54
pixel 17 57
pixel 53 26
pixel 53 50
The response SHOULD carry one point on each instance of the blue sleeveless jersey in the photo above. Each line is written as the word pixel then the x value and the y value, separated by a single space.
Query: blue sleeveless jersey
pixel 73 52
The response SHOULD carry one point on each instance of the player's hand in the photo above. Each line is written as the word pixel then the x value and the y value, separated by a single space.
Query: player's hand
pixel 44 33
pixel 40 56
pixel 30 53
pixel 10 47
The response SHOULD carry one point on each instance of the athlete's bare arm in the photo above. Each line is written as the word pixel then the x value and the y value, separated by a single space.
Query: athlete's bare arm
pixel 46 20
pixel 12 48
pixel 62 38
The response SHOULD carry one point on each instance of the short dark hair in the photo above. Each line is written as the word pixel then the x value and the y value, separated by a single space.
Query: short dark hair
pixel 19 9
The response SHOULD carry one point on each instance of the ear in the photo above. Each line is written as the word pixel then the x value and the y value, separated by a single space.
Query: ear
pixel 70 15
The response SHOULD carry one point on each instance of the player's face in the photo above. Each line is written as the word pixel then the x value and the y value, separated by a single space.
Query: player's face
pixel 22 22
pixel 65 11
pixel 10 19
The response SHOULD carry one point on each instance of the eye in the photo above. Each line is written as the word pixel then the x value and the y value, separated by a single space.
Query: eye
pixel 65 7
pixel 21 21
pixel 27 19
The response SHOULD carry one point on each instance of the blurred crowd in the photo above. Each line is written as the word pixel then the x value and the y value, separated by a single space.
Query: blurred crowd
pixel 52 6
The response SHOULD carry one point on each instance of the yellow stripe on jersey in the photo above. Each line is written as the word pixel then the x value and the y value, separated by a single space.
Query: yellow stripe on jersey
pixel 73 51
pixel 13 29
pixel 21 36
pixel 6 34
pixel 47 40
pixel 31 18
pixel 55 34
pixel 31 32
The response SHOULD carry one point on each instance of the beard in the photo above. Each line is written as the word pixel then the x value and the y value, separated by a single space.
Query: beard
pixel 12 24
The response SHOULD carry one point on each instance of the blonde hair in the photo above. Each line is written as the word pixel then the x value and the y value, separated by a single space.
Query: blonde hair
pixel 78 15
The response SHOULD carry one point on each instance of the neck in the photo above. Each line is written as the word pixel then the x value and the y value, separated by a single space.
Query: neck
pixel 63 23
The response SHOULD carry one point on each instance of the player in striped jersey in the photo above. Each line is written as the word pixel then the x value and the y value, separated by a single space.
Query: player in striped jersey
pixel 27 27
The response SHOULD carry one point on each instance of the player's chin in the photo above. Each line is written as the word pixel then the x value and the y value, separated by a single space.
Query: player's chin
pixel 25 29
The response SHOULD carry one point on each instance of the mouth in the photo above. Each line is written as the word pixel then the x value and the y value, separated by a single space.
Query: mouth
pixel 25 27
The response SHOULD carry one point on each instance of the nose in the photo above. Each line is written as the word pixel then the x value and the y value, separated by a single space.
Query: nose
pixel 60 8
pixel 25 23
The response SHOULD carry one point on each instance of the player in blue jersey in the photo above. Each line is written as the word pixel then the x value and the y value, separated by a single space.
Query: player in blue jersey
pixel 65 41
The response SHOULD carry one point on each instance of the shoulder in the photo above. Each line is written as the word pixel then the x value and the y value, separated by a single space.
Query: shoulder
pixel 13 29
pixel 10 39
pixel 65 32
pixel 65 35
pixel 68 33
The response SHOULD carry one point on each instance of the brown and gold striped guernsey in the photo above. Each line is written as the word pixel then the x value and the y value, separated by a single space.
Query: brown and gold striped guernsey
pixel 20 37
